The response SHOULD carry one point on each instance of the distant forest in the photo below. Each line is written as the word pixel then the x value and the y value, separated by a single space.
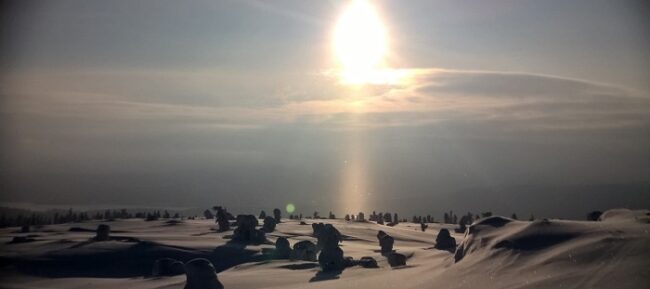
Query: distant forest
pixel 13 217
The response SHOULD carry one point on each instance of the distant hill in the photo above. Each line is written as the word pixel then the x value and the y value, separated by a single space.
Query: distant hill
pixel 573 201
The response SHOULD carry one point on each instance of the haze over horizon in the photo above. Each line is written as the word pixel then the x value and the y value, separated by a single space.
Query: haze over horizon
pixel 524 106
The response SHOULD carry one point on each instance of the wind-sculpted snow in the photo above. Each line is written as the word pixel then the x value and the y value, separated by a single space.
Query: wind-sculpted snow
pixel 558 253
pixel 503 233
pixel 625 215
pixel 494 253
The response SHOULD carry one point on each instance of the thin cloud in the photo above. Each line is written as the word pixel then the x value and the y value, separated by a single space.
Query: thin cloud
pixel 519 100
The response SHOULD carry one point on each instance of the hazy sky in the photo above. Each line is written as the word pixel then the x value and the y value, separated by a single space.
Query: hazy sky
pixel 195 103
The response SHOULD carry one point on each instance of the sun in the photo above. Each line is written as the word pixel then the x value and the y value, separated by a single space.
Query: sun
pixel 360 42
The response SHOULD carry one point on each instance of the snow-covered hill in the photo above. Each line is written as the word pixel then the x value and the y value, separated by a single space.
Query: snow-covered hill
pixel 494 253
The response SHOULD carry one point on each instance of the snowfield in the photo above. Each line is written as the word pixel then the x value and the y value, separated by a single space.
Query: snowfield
pixel 494 252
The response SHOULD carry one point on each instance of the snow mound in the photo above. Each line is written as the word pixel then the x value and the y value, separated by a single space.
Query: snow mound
pixel 504 233
pixel 608 254
pixel 625 215
pixel 494 253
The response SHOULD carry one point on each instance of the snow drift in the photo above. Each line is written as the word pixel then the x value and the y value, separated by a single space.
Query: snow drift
pixel 546 253
pixel 494 252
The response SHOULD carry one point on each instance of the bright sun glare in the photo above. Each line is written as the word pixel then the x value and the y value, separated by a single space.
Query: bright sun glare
pixel 360 40
pixel 360 44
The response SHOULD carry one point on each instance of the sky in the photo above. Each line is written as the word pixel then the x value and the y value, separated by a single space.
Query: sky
pixel 511 106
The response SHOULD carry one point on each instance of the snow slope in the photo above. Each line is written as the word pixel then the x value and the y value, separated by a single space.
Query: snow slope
pixel 494 253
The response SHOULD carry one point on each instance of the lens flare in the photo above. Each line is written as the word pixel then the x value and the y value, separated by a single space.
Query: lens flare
pixel 290 208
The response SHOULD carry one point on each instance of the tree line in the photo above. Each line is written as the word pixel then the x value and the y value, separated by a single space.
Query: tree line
pixel 29 218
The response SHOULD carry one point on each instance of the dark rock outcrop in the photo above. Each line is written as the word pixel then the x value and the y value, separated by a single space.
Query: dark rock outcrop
pixel 201 275
pixel 396 259
pixel 317 228
pixel 444 241
pixel 304 250
pixel 327 235
pixel 269 224
pixel 385 242
pixel 282 248
pixel 103 233
pixel 331 259
pixel 368 262
pixel 594 215
pixel 349 262
pixel 331 256
pixel 167 267
pixel 21 239
pixel 247 232
pixel 222 219
pixel 277 215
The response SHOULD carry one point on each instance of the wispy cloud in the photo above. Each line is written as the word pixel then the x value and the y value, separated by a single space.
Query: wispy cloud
pixel 468 126
pixel 509 100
